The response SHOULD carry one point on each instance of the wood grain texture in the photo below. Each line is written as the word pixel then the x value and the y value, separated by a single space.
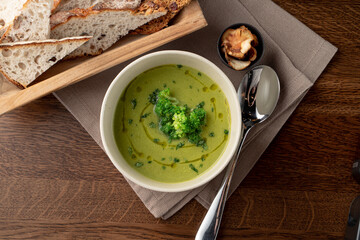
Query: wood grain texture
pixel 301 188
pixel 66 73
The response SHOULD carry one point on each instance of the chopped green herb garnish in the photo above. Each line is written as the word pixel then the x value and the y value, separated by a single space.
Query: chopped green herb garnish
pixel 212 109
pixel 149 161
pixel 130 121
pixel 164 85
pixel 201 165
pixel 202 158
pixel 190 86
pixel 152 125
pixel 201 105
pixel 202 143
pixel 139 164
pixel 133 156
pixel 163 167
pixel 133 103
pixel 145 115
pixel 226 131
pixel 212 134
pixel 130 150
pixel 199 73
pixel 174 81
pixel 156 140
pixel 179 66
pixel 193 168
pixel 180 145
pixel 162 159
pixel 176 160
pixel 153 96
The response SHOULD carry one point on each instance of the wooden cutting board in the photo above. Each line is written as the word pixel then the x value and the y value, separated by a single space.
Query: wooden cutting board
pixel 69 72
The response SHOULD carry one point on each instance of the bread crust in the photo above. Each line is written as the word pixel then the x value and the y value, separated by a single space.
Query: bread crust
pixel 56 4
pixel 11 80
pixel 60 18
pixel 173 7
pixel 44 42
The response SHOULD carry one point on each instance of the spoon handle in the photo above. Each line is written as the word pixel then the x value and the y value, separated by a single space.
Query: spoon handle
pixel 210 225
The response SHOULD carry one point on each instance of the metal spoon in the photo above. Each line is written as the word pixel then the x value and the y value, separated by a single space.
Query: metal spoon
pixel 258 94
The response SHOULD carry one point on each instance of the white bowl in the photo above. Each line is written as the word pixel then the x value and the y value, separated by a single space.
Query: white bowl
pixel 126 76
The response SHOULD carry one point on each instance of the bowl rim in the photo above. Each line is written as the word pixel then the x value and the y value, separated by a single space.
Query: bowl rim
pixel 252 29
pixel 229 148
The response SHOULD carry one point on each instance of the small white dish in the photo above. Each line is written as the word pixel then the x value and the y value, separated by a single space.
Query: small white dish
pixel 139 66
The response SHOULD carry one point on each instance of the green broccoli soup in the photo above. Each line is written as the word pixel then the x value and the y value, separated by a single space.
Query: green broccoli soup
pixel 172 123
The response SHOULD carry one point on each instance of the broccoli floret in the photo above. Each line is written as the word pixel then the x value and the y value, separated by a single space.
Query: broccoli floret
pixel 197 118
pixel 180 124
pixel 178 121
pixel 164 93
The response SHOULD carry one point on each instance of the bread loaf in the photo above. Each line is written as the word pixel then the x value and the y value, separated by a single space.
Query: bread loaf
pixel 22 62
pixel 105 25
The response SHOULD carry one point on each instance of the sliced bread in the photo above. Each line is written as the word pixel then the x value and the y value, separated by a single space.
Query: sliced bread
pixel 106 26
pixel 67 5
pixel 22 62
pixel 33 22
pixel 173 7
pixel 9 10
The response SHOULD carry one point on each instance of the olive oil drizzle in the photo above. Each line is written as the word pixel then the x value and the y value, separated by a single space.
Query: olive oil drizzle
pixel 198 159
pixel 213 101
pixel 165 164
pixel 139 154
pixel 194 160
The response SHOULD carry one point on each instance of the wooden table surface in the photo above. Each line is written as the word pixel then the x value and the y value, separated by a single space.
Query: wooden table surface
pixel 56 183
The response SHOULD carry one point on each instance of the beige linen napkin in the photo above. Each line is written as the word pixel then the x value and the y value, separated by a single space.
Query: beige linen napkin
pixel 297 54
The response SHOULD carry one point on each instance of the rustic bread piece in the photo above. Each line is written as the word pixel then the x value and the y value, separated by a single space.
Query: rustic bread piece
pixel 173 7
pixel 67 5
pixel 22 62
pixel 33 22
pixel 106 26
pixel 9 10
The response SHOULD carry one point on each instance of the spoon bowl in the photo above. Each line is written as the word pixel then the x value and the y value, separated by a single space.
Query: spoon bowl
pixel 258 94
